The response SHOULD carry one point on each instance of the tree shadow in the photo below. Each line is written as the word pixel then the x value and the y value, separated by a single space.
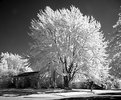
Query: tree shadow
pixel 16 92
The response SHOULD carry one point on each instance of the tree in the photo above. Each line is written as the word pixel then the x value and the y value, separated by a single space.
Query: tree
pixel 11 64
pixel 71 41
pixel 115 49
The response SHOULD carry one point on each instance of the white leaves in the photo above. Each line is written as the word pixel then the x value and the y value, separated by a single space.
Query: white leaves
pixel 77 37
pixel 118 23
pixel 13 63
pixel 114 49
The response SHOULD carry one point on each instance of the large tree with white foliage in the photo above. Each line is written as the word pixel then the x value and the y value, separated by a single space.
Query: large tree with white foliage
pixel 71 41
pixel 13 64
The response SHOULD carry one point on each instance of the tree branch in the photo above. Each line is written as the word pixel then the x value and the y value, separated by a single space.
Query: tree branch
pixel 74 71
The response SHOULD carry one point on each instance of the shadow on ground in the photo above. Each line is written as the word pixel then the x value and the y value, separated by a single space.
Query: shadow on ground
pixel 16 92
pixel 23 92
pixel 94 98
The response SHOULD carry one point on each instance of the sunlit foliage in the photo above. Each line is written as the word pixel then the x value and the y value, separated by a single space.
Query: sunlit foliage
pixel 13 64
pixel 115 49
pixel 72 41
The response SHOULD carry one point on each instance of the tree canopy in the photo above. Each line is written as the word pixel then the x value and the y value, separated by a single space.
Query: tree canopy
pixel 71 41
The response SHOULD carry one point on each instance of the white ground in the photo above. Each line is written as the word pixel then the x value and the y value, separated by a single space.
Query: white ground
pixel 51 96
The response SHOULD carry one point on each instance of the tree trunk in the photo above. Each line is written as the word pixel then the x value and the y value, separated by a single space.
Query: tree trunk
pixel 54 79
pixel 66 82
pixel 91 85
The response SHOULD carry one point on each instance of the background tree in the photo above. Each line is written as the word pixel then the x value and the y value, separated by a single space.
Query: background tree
pixel 13 64
pixel 71 42
pixel 115 49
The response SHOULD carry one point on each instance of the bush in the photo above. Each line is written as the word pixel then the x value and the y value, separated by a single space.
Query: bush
pixel 115 84
pixel 6 82
pixel 86 85
pixel 80 85
pixel 119 83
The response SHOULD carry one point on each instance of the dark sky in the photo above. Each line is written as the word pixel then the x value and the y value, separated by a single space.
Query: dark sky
pixel 16 16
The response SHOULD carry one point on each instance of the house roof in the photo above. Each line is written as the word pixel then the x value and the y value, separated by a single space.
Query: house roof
pixel 27 74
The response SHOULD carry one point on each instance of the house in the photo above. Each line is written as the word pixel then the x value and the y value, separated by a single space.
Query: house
pixel 27 80
pixel 37 79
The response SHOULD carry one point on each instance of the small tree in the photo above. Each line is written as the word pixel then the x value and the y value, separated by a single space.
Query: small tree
pixel 13 64
pixel 115 49
pixel 71 41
